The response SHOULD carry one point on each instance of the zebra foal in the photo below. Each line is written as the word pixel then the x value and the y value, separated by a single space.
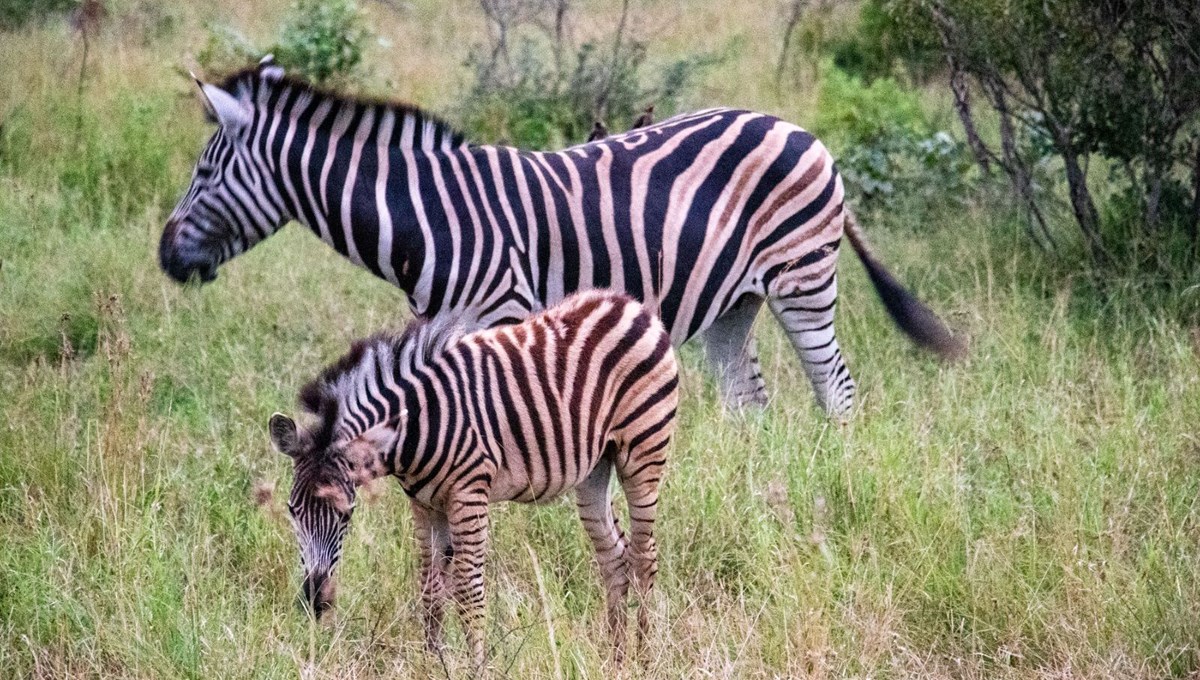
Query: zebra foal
pixel 524 412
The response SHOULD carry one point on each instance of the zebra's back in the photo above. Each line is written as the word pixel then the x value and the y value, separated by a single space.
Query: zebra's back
pixel 548 397
pixel 689 214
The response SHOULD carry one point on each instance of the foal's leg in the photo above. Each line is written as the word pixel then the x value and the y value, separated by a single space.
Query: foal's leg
pixel 641 472
pixel 595 509
pixel 433 536
pixel 468 518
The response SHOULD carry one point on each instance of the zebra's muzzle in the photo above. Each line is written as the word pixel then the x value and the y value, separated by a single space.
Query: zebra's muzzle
pixel 317 593
pixel 178 263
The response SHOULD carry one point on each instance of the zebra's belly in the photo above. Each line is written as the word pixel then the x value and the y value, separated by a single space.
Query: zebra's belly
pixel 518 483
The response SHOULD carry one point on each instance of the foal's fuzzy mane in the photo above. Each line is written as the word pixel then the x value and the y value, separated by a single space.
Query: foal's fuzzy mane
pixel 252 77
pixel 418 344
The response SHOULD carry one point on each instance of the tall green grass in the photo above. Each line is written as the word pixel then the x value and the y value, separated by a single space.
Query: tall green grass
pixel 1030 512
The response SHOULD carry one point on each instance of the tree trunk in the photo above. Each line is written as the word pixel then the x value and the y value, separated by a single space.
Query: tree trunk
pixel 1081 197
pixel 1154 187
pixel 962 104
pixel 1014 166
pixel 1194 221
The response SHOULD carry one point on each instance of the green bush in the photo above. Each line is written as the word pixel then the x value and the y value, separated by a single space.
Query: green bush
pixel 886 145
pixel 882 40
pixel 323 40
pixel 853 112
pixel 535 104
pixel 16 13
pixel 225 50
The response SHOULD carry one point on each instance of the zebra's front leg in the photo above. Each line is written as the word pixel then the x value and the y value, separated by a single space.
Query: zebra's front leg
pixel 730 350
pixel 433 537
pixel 468 522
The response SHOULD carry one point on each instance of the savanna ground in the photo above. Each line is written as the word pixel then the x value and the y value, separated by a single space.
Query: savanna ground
pixel 1029 512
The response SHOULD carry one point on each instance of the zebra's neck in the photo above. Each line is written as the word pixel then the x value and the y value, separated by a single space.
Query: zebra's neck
pixel 346 168
pixel 378 397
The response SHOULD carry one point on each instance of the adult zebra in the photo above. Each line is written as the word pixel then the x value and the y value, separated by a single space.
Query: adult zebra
pixel 704 215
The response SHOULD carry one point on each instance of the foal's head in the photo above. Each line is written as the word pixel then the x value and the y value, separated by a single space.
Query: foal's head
pixel 326 475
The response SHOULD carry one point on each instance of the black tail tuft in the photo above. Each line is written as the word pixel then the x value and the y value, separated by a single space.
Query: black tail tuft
pixel 910 314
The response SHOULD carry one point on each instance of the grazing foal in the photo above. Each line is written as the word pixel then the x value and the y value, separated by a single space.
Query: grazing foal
pixel 524 412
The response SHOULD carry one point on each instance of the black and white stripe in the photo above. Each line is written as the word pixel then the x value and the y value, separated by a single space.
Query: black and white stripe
pixel 523 412
pixel 705 216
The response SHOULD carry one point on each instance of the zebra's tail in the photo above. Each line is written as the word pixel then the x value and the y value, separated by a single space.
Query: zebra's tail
pixel 910 314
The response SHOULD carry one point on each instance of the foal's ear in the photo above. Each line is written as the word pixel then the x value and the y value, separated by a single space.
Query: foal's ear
pixel 284 435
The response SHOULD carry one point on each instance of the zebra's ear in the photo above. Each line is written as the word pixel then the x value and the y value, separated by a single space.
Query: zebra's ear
pixel 229 113
pixel 284 435
pixel 268 70
pixel 379 438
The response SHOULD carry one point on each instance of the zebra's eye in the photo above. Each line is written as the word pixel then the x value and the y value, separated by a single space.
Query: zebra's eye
pixel 204 171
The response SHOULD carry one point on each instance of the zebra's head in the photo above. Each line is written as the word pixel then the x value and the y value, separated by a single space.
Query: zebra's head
pixel 321 503
pixel 231 203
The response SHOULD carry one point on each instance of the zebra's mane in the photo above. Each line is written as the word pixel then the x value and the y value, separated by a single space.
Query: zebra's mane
pixel 252 80
pixel 334 394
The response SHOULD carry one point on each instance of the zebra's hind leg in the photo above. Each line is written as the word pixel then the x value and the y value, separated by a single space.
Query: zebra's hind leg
pixel 468 520
pixel 433 537
pixel 804 306
pixel 594 499
pixel 640 473
pixel 731 353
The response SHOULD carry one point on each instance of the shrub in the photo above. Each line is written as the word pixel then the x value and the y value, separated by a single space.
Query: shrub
pixel 880 42
pixel 887 148
pixel 857 113
pixel 1119 80
pixel 322 41
pixel 225 50
pixel 545 92
pixel 16 13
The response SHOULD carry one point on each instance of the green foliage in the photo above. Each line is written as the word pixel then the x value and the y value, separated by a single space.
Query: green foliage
pixel 852 112
pixel 537 103
pixel 882 41
pixel 1120 80
pixel 16 13
pixel 323 40
pixel 225 50
pixel 887 147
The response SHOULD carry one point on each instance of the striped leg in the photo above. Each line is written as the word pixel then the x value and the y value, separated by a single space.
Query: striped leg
pixel 594 499
pixel 730 349
pixel 805 310
pixel 640 476
pixel 468 517
pixel 433 536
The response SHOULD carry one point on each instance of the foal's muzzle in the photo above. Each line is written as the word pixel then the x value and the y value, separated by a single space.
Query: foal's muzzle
pixel 317 593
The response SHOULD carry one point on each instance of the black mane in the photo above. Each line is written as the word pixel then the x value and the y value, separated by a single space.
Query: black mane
pixel 252 79
pixel 420 342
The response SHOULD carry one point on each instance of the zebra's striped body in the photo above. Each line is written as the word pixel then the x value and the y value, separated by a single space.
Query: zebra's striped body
pixel 525 412
pixel 704 216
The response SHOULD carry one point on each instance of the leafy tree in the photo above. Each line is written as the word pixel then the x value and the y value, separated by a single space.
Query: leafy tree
pixel 1115 78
